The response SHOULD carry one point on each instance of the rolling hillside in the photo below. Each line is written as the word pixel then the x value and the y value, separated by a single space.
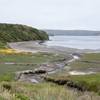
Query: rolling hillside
pixel 16 33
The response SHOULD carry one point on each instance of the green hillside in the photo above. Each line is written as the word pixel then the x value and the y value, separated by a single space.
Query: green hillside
pixel 16 33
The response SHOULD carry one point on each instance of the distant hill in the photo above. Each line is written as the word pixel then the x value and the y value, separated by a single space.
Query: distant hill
pixel 73 32
pixel 16 33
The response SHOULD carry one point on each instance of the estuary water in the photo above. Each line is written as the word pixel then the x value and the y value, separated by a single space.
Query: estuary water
pixel 79 42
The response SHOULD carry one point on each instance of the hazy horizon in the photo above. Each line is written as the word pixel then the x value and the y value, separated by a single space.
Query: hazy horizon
pixel 52 14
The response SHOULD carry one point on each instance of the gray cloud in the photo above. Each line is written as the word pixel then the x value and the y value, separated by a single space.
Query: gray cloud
pixel 56 14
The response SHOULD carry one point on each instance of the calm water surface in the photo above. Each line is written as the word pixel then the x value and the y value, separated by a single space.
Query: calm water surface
pixel 80 42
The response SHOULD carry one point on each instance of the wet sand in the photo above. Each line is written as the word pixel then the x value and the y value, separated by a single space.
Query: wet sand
pixel 36 46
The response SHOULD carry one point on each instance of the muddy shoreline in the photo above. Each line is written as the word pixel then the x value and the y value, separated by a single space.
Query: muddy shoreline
pixel 37 46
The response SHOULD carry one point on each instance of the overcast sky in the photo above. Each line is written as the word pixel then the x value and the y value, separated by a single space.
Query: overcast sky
pixel 52 14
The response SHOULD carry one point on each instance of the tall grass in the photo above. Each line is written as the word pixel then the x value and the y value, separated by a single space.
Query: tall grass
pixel 44 91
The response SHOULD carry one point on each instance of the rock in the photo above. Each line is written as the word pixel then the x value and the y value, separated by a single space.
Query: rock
pixel 40 71
pixel 34 81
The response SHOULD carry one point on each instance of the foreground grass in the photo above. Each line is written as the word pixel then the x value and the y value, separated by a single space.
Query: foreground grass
pixel 91 82
pixel 44 91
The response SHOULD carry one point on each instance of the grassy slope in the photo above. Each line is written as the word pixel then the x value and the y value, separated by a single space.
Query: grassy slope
pixel 15 32
pixel 44 91
pixel 91 82
pixel 87 61
pixel 23 61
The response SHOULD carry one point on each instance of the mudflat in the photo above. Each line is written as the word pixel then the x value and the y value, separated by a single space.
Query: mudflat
pixel 37 46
